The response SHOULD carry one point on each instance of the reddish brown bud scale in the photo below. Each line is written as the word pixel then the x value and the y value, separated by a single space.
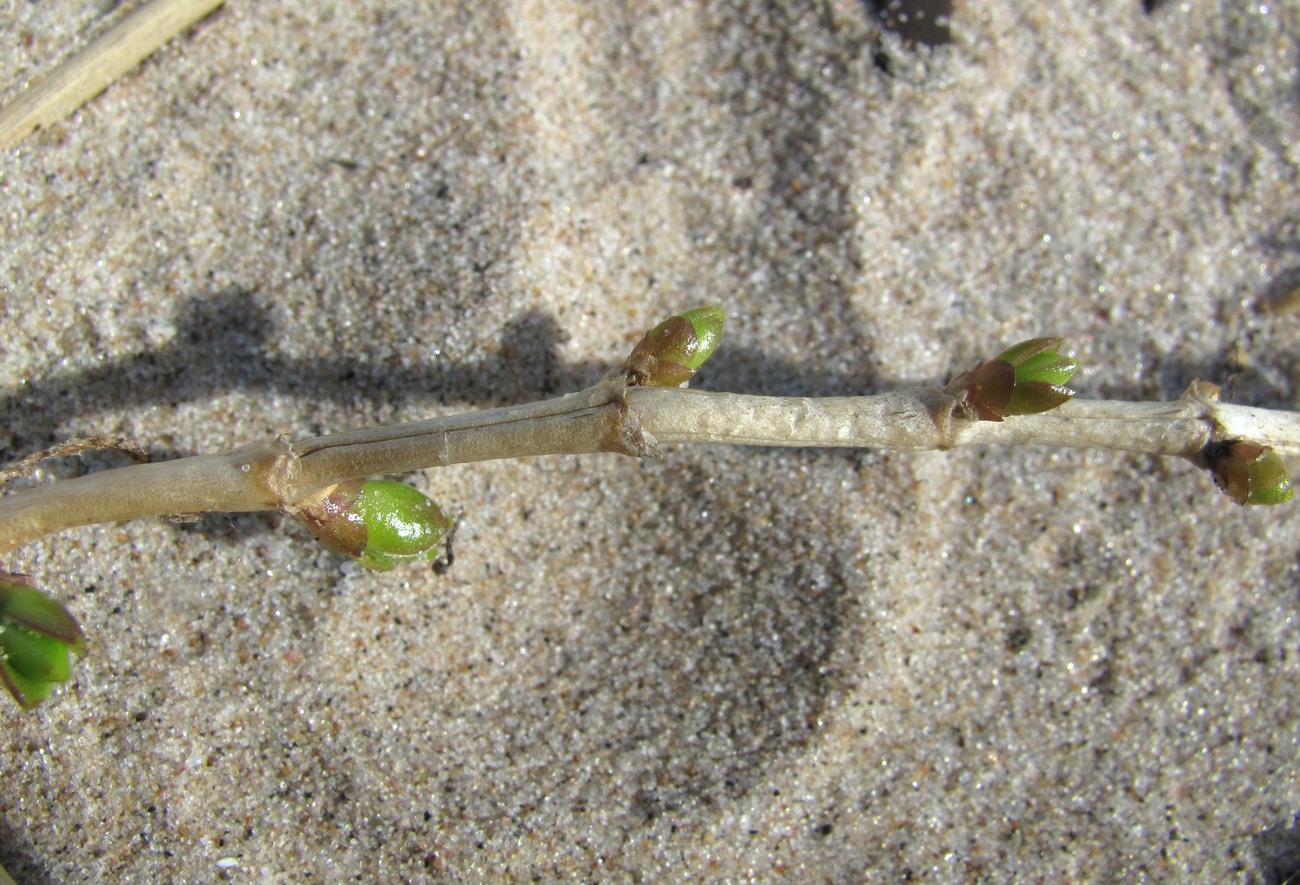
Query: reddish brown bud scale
pixel 1249 473
pixel 988 388
pixel 330 520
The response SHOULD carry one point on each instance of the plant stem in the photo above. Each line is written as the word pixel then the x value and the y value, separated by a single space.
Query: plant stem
pixel 593 420
pixel 612 417
pixel 921 419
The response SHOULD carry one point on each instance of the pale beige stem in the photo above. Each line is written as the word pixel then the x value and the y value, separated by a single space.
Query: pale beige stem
pixel 280 475
pixel 594 420
pixel 229 482
pixel 914 420
pixel 612 417
pixel 921 418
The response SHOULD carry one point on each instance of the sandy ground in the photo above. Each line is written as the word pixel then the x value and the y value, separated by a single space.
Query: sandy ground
pixel 729 664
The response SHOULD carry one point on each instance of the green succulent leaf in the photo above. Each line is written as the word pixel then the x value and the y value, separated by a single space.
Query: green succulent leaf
pixel 1018 354
pixel 35 656
pixel 1048 368
pixel 26 691
pixel 1033 397
pixel 31 608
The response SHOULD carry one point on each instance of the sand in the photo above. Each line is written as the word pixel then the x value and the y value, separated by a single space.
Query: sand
pixel 728 664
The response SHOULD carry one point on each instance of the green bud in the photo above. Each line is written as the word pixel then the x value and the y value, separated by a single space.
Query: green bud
pixel 670 353
pixel 1270 481
pixel 378 523
pixel 37 638
pixel 1025 379
pixel 707 323
pixel 1249 473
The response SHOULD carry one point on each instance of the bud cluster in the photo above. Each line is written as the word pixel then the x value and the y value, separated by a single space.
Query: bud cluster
pixel 1025 379
pixel 37 640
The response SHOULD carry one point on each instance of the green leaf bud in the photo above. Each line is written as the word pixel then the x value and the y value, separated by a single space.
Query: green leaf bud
pixel 378 523
pixel 1270 481
pixel 1025 379
pixel 1249 473
pixel 707 323
pixel 670 354
pixel 23 604
pixel 37 638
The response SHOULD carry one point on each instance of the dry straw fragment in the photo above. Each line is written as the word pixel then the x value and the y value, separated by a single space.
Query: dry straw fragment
pixel 90 71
